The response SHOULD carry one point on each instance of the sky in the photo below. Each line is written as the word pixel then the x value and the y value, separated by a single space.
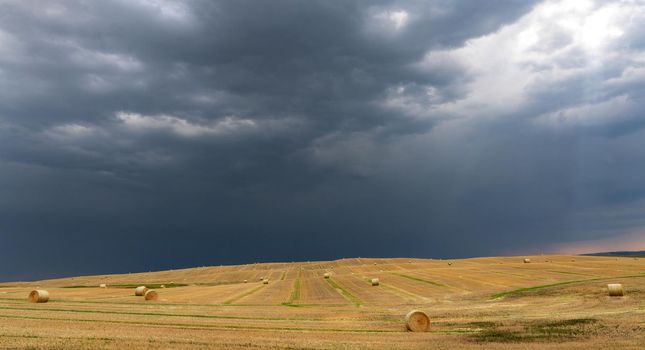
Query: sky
pixel 140 135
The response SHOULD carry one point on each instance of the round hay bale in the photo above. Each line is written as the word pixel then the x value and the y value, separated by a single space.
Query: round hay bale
pixel 417 321
pixel 615 290
pixel 375 281
pixel 151 295
pixel 266 281
pixel 140 291
pixel 39 296
pixel 449 263
pixel 102 285
pixel 327 275
pixel 162 286
pixel 526 261
pixel 246 281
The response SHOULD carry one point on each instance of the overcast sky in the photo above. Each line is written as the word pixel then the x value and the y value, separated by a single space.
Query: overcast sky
pixel 153 134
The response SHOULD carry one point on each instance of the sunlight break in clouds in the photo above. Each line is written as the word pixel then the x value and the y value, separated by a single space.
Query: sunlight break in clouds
pixel 556 43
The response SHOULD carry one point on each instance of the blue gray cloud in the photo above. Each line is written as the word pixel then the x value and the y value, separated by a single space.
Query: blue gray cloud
pixel 138 135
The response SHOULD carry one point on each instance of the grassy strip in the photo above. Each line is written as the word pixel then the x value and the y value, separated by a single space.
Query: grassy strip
pixel 157 285
pixel 295 293
pixel 539 331
pixel 545 286
pixel 148 342
pixel 149 285
pixel 534 288
pixel 206 326
pixel 436 284
pixel 64 301
pixel 23 336
pixel 212 284
pixel 21 301
pixel 399 291
pixel 236 298
pixel 346 294
pixel 456 331
pixel 571 273
pixel 104 339
pixel 161 314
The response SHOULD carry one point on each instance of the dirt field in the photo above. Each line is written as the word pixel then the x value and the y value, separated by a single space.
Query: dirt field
pixel 554 302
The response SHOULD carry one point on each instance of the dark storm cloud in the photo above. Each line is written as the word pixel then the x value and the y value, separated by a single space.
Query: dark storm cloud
pixel 140 135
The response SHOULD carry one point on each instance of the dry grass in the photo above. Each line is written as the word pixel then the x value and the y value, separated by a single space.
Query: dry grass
pixel 535 306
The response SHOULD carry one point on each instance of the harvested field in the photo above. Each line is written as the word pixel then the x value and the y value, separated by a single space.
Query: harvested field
pixel 318 291
pixel 492 303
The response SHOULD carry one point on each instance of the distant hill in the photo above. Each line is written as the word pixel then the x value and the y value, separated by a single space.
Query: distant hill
pixel 630 254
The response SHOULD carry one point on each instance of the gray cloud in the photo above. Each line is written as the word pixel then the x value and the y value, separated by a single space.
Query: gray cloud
pixel 140 135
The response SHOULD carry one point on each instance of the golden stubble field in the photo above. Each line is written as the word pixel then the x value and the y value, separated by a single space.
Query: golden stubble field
pixel 554 302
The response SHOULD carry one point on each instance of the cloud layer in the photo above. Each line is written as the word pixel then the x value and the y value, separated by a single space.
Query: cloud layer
pixel 139 135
